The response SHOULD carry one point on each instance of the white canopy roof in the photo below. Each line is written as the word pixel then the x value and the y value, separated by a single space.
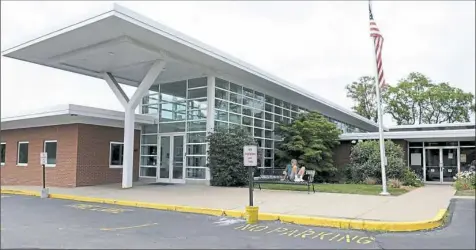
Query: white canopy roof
pixel 125 43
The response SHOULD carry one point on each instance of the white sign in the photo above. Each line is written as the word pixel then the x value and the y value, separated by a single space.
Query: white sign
pixel 463 158
pixel 43 157
pixel 415 159
pixel 250 156
pixel 450 155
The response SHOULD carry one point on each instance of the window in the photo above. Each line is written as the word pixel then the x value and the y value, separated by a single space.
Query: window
pixel 116 151
pixel 22 159
pixel 50 149
pixel 3 148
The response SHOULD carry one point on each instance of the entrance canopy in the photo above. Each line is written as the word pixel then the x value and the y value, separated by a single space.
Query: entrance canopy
pixel 126 44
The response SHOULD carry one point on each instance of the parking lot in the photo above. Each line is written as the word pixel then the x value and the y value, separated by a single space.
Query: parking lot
pixel 31 222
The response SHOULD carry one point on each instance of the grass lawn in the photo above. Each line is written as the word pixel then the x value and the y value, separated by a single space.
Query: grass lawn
pixel 338 188
pixel 466 193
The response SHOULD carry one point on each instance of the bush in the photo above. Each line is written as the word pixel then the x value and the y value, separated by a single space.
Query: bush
pixel 370 181
pixel 465 180
pixel 225 157
pixel 394 183
pixel 410 178
pixel 365 161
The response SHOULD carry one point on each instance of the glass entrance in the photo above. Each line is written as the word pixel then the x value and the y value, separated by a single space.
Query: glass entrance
pixel 450 164
pixel 432 165
pixel 441 164
pixel 171 167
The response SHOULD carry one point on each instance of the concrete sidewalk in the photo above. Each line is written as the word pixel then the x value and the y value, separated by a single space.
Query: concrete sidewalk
pixel 420 204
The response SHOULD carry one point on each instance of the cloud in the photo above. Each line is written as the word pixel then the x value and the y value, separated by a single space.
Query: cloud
pixel 321 46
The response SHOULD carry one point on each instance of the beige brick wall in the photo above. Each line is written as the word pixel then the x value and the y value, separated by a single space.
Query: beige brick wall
pixel 62 175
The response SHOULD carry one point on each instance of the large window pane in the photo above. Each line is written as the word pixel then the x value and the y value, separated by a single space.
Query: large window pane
pixel 236 98
pixel 221 94
pixel 235 118
pixel 116 152
pixel 22 153
pixel 197 137
pixel 221 125
pixel 259 96
pixel 149 160
pixel 149 109
pixel 220 83
pixel 150 99
pixel 50 149
pixel 174 91
pixel 197 93
pixel 197 82
pixel 172 127
pixel 149 139
pixel 220 104
pixel 197 126
pixel 149 128
pixel 268 134
pixel 268 143
pixel 196 173
pixel 269 107
pixel 172 111
pixel 236 88
pixel 258 123
pixel 196 161
pixel 148 172
pixel 269 99
pixel 236 108
pixel 286 113
pixel 197 114
pixel 467 158
pixel 258 132
pixel 248 92
pixel 268 125
pixel 247 111
pixel 221 115
pixel 247 121
pixel 149 150
pixel 257 113
pixel 268 116
pixel 198 104
pixel 197 149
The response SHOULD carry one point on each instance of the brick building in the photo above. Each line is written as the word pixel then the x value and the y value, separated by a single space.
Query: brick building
pixel 84 147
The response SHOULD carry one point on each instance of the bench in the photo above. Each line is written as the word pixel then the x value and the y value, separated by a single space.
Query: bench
pixel 276 176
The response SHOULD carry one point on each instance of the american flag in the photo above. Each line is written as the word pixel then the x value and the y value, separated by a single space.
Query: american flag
pixel 378 41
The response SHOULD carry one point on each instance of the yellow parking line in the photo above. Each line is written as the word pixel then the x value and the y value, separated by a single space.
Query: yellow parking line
pixel 122 228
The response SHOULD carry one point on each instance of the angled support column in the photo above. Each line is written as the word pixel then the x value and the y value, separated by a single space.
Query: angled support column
pixel 129 120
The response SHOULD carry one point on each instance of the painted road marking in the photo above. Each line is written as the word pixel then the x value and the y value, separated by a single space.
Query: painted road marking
pixel 308 234
pixel 228 221
pixel 5 196
pixel 112 210
pixel 131 227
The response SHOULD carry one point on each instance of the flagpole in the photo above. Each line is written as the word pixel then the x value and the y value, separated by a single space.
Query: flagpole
pixel 383 161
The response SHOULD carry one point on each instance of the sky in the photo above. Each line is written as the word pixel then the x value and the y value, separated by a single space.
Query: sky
pixel 320 46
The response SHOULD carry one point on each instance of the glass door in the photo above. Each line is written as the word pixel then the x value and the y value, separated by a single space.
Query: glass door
pixel 432 166
pixel 171 167
pixel 450 164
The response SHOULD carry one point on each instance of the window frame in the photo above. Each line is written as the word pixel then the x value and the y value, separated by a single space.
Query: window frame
pixel 5 145
pixel 18 153
pixel 44 150
pixel 110 154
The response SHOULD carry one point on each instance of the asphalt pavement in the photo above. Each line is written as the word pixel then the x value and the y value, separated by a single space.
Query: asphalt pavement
pixel 32 222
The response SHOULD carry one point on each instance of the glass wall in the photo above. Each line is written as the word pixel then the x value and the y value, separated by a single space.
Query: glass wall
pixel 258 113
pixel 181 107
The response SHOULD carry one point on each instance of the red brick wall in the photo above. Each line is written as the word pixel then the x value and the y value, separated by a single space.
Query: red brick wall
pixel 93 155
pixel 62 175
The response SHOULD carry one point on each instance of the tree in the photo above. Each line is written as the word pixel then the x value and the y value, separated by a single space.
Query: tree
pixel 310 139
pixel 225 157
pixel 417 100
pixel 364 96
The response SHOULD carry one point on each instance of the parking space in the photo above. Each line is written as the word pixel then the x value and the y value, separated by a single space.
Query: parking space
pixel 31 222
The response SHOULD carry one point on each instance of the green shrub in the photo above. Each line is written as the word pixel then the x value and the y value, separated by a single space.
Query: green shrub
pixel 465 180
pixel 225 157
pixel 365 161
pixel 410 178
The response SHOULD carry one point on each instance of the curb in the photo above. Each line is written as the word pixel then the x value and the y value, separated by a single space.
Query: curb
pixel 368 225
